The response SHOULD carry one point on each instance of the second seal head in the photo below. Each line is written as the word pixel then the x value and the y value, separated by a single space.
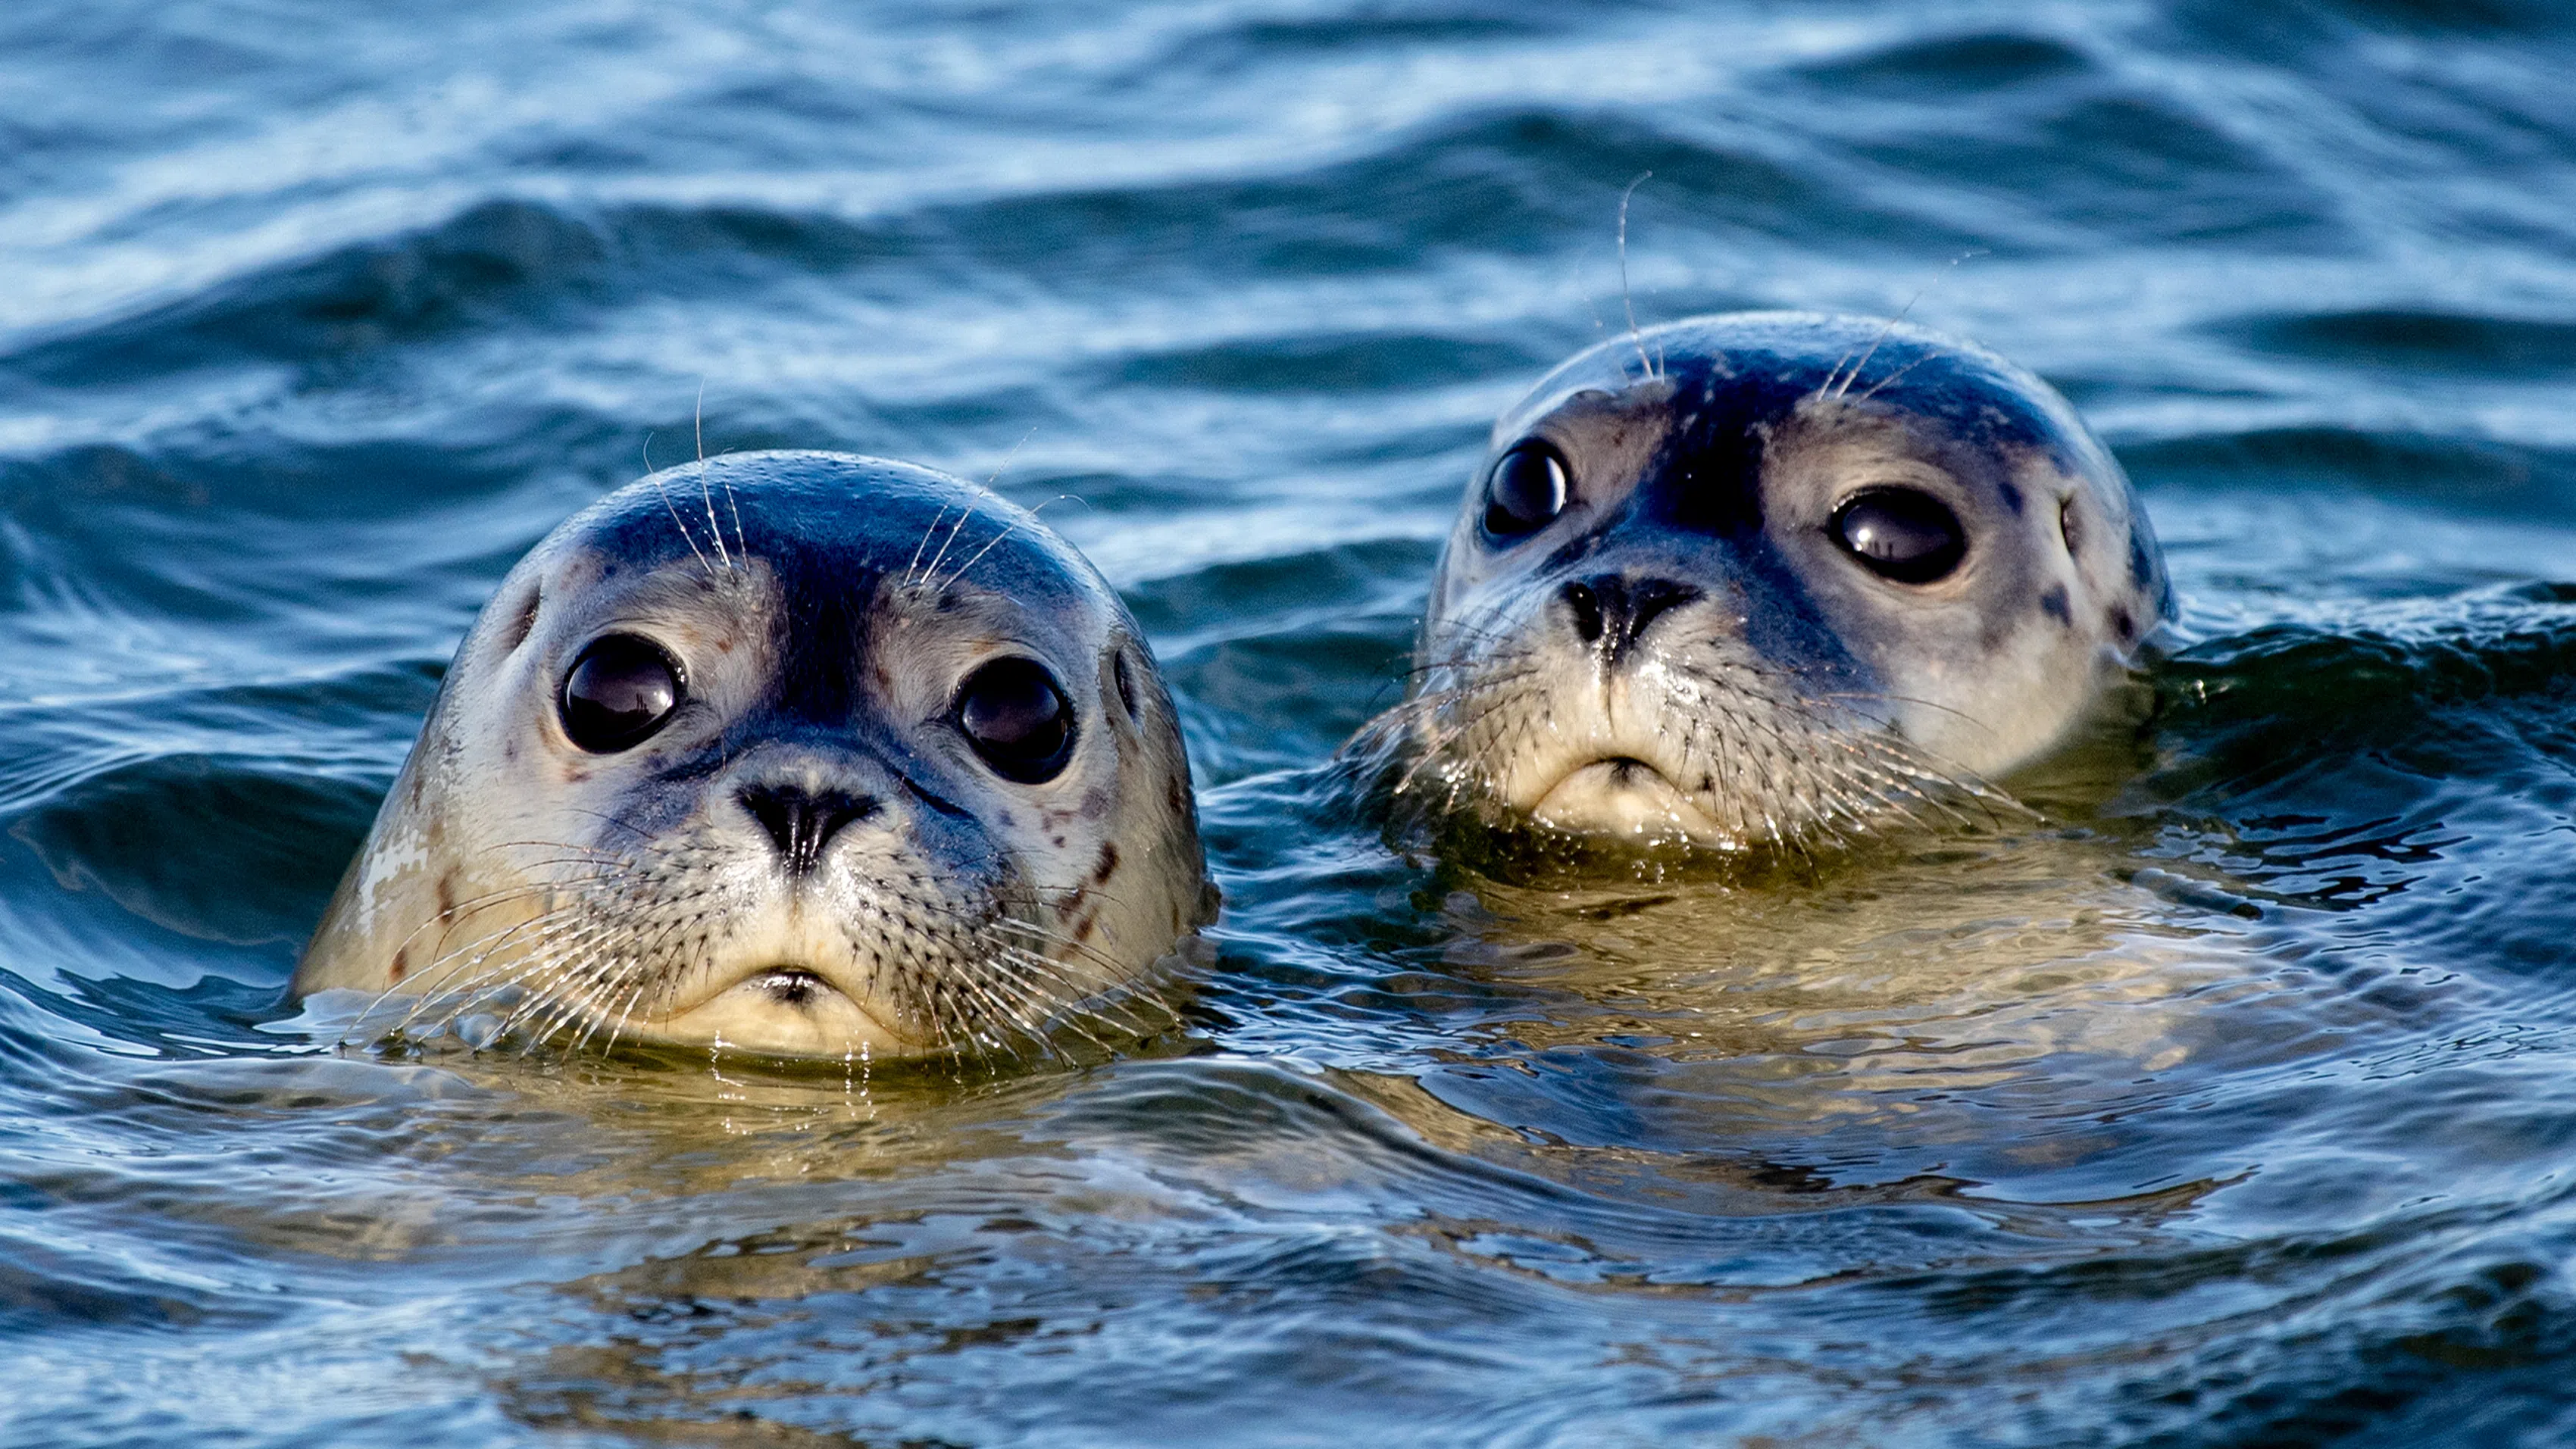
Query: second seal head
pixel 1750 578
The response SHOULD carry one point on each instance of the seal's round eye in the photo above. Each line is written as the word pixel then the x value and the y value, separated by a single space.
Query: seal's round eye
pixel 1017 719
pixel 1902 534
pixel 619 691
pixel 1526 490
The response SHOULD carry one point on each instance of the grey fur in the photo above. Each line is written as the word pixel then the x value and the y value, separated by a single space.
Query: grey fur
pixel 825 610
pixel 1779 690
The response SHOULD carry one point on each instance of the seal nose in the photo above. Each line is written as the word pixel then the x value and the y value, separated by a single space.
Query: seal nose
pixel 1612 613
pixel 800 821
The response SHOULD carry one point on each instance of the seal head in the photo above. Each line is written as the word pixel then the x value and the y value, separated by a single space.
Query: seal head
pixel 1749 578
pixel 800 753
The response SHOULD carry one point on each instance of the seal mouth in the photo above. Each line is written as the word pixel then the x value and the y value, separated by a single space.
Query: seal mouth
pixel 1622 795
pixel 790 1007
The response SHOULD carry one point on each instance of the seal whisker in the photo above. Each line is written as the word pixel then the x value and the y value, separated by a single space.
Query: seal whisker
pixel 1874 343
pixel 909 569
pixel 467 979
pixel 1069 1001
pixel 1627 299
pixel 930 570
pixel 715 530
pixel 682 525
pixel 996 540
pixel 782 889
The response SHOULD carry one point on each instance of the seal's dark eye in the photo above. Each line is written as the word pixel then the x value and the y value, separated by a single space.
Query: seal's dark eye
pixel 1902 534
pixel 1526 490
pixel 621 689
pixel 1017 720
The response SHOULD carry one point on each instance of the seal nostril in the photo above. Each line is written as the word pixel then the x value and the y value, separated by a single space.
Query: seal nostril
pixel 1648 598
pixel 1586 608
pixel 802 822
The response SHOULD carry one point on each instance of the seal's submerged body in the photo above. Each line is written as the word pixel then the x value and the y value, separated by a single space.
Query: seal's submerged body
pixel 1756 578
pixel 800 753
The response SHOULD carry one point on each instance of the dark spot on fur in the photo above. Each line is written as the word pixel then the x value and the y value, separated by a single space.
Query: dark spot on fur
pixel 402 962
pixel 2054 604
pixel 1083 928
pixel 2123 625
pixel 1059 841
pixel 411 793
pixel 447 893
pixel 1108 866
pixel 2012 496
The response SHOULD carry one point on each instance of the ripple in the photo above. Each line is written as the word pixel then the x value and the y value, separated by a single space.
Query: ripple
pixel 2227 1102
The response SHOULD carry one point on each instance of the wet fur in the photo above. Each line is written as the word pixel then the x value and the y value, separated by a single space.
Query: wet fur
pixel 826 608
pixel 1794 697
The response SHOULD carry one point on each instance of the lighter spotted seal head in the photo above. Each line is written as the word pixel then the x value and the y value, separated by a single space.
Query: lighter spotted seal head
pixel 1766 577
pixel 799 753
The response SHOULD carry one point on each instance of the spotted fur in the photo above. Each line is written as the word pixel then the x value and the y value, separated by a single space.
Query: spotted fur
pixel 824 610
pixel 1779 690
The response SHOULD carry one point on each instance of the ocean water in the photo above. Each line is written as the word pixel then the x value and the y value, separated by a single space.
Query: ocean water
pixel 2234 1105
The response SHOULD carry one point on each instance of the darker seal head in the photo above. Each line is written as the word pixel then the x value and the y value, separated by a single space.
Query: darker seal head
pixel 1744 578
pixel 801 753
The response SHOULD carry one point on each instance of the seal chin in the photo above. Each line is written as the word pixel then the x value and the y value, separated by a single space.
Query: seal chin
pixel 1624 798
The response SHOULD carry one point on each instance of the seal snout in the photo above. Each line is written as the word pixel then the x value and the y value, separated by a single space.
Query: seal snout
pixel 801 820
pixel 1611 612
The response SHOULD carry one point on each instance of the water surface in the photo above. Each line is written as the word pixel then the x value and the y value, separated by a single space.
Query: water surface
pixel 2235 1105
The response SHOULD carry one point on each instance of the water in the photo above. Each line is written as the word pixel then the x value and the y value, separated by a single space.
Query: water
pixel 2236 1106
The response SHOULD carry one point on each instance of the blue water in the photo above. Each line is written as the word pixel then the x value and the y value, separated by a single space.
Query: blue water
pixel 2235 1105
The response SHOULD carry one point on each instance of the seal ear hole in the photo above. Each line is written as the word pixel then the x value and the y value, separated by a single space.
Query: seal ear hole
pixel 620 690
pixel 524 624
pixel 1526 490
pixel 1017 719
pixel 1125 682
pixel 1904 535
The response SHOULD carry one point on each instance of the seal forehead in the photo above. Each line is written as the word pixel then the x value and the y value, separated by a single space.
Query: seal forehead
pixel 830 515
pixel 1723 379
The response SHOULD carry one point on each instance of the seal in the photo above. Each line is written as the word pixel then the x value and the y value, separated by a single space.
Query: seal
pixel 798 753
pixel 1763 578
